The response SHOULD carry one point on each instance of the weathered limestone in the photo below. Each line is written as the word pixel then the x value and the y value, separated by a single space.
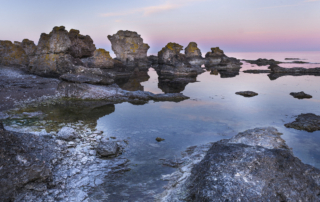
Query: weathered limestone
pixel 215 56
pixel 29 47
pixel 193 54
pixel 100 59
pixel 255 165
pixel 58 52
pixel 308 122
pixel 129 48
pixel 12 54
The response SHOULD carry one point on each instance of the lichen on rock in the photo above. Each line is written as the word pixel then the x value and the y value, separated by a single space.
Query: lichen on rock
pixel 12 54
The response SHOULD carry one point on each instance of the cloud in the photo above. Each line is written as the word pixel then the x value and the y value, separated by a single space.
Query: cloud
pixel 146 11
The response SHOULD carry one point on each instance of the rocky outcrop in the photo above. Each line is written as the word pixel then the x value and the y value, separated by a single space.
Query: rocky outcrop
pixel 308 122
pixel 100 59
pixel 294 70
pixel 59 51
pixel 129 48
pixel 255 165
pixel 215 56
pixel 13 54
pixel 301 95
pixel 247 93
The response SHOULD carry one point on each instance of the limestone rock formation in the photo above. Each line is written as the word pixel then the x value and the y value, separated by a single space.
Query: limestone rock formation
pixel 100 59
pixel 129 48
pixel 29 47
pixel 58 52
pixel 193 54
pixel 170 55
pixel 215 56
pixel 12 54
pixel 255 165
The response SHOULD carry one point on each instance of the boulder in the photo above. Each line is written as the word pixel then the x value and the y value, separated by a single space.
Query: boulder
pixel 59 51
pixel 67 134
pixel 100 59
pixel 255 165
pixel 129 48
pixel 301 95
pixel 308 122
pixel 12 54
pixel 108 148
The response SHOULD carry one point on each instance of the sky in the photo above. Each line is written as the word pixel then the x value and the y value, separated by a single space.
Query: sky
pixel 233 25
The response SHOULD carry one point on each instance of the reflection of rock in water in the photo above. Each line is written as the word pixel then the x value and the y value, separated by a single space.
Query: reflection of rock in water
pixel 133 82
pixel 174 85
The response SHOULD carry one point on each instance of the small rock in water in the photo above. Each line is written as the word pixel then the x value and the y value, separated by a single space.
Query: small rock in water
pixel 159 139
pixel 247 93
pixel 301 95
pixel 113 137
pixel 308 122
pixel 108 148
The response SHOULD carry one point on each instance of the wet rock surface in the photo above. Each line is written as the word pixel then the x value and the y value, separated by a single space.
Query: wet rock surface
pixel 12 55
pixel 301 95
pixel 244 168
pixel 247 93
pixel 129 48
pixel 308 122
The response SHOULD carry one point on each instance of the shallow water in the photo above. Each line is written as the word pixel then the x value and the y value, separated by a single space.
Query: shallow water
pixel 213 112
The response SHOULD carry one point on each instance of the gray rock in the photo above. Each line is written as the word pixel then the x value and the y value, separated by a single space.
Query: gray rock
pixel 296 70
pixel 308 122
pixel 233 171
pixel 100 59
pixel 215 56
pixel 153 60
pixel 170 56
pixel 107 148
pixel 263 62
pixel 247 93
pixel 29 47
pixel 81 46
pixel 129 48
pixel 67 133
pixel 301 95
pixel 12 55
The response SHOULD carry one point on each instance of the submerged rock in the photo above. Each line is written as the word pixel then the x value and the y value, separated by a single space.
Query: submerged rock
pixel 247 93
pixel 159 139
pixel 263 62
pixel 308 122
pixel 257 71
pixel 129 48
pixel 255 165
pixel 301 95
pixel 13 54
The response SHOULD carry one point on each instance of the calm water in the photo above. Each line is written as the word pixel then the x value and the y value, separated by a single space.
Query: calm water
pixel 213 112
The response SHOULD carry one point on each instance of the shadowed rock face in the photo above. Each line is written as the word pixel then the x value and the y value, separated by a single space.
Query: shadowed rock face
pixel 100 59
pixel 255 165
pixel 12 54
pixel 308 122
pixel 58 52
pixel 129 48
pixel 174 85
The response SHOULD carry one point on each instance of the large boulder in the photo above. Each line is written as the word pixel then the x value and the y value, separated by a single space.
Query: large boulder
pixel 59 51
pixel 129 48
pixel 100 59
pixel 255 165
pixel 12 54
